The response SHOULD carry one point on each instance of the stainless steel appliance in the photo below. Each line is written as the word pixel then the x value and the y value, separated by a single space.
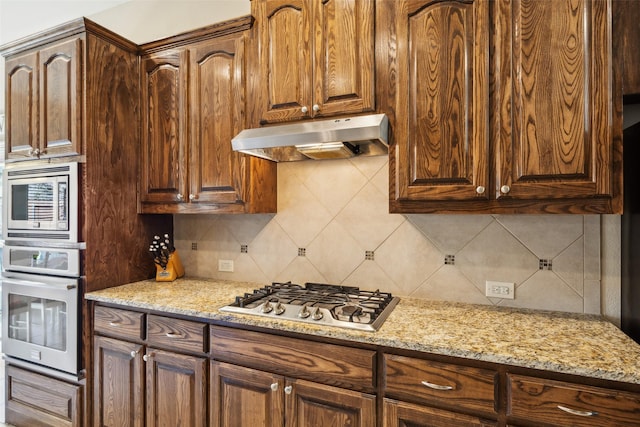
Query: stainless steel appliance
pixel 41 202
pixel 40 320
pixel 323 304
pixel 42 268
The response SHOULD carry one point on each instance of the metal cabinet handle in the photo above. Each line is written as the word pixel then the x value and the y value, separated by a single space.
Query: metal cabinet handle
pixel 134 353
pixel 577 412
pixel 274 387
pixel 173 335
pixel 147 357
pixel 316 107
pixel 505 189
pixel 436 386
pixel 115 323
pixel 34 152
pixel 192 197
pixel 179 196
pixel 304 109
pixel 288 389
pixel 480 189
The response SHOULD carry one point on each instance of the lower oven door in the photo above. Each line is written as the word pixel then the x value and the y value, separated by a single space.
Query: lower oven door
pixel 40 320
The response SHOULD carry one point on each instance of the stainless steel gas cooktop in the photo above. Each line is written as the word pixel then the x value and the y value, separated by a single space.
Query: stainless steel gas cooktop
pixel 331 305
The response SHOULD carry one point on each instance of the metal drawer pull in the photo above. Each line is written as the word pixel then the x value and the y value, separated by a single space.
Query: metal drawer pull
pixel 288 389
pixel 173 334
pixel 436 386
pixel 116 323
pixel 576 412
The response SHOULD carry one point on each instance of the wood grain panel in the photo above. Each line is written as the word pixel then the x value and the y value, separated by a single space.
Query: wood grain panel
pixel 464 387
pixel 245 397
pixel 118 380
pixel 217 173
pixel 402 414
pixel 542 401
pixel 22 115
pixel 164 127
pixel 311 404
pixel 178 334
pixel 343 64
pixel 441 150
pixel 118 322
pixel 326 363
pixel 36 400
pixel 176 389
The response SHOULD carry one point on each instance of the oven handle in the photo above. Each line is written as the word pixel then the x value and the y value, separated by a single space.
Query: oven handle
pixel 67 286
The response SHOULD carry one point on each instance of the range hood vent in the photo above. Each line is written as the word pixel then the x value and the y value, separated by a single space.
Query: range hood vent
pixel 318 140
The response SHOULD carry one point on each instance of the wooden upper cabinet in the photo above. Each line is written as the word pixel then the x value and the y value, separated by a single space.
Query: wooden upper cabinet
pixel 554 128
pixel 164 127
pixel 194 96
pixel 315 58
pixel 44 99
pixel 441 132
pixel 505 106
pixel 217 173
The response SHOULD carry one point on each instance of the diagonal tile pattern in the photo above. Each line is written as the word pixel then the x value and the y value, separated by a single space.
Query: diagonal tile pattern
pixel 337 210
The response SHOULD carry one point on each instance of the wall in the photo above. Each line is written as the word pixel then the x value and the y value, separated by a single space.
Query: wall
pixel 333 226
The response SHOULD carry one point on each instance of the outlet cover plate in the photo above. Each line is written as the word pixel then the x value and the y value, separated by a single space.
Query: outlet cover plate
pixel 225 265
pixel 504 290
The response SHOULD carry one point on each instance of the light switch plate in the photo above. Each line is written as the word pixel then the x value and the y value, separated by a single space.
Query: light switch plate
pixel 504 290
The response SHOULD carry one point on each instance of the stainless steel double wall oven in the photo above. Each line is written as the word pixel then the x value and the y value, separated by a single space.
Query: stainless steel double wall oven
pixel 41 262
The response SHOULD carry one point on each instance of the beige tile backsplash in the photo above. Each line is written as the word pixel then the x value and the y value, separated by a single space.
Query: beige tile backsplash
pixel 337 210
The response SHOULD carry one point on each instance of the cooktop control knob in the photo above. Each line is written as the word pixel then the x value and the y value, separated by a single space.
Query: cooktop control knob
pixel 304 312
pixel 317 315
pixel 267 307
pixel 279 308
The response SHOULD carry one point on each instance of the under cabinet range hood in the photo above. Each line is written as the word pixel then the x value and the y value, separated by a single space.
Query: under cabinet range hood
pixel 323 139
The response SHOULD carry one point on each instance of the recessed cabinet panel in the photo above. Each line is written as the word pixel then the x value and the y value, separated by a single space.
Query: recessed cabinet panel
pixel 217 100
pixel 561 101
pixel 22 105
pixel 163 127
pixel 442 126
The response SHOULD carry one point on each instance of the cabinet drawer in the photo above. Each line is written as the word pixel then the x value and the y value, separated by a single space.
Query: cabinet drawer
pixel 442 384
pixel 176 333
pixel 331 364
pixel 118 322
pixel 565 404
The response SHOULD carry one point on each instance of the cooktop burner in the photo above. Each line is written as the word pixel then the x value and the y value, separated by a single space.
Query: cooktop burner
pixel 332 305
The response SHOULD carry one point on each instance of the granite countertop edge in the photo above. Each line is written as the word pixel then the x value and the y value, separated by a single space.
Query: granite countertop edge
pixel 582 345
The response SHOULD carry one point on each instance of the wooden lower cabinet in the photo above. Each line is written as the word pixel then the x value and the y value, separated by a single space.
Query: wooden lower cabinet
pixel 248 397
pixel 176 392
pixel 36 400
pixel 118 383
pixel 402 414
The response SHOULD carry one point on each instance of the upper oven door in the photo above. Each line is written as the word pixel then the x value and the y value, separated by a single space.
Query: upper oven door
pixel 40 320
pixel 40 202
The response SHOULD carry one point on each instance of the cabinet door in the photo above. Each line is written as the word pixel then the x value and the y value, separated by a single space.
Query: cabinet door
pixel 315 405
pixel 118 383
pixel 22 106
pixel 400 414
pixel 61 98
pixel 285 63
pixel 164 127
pixel 554 88
pixel 217 173
pixel 343 57
pixel 441 150
pixel 176 390
pixel 245 397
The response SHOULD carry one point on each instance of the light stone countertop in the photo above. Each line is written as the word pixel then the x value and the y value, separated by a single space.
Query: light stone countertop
pixel 560 342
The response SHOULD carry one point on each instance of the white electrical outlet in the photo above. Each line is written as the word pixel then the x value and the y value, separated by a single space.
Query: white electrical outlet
pixel 225 265
pixel 500 289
